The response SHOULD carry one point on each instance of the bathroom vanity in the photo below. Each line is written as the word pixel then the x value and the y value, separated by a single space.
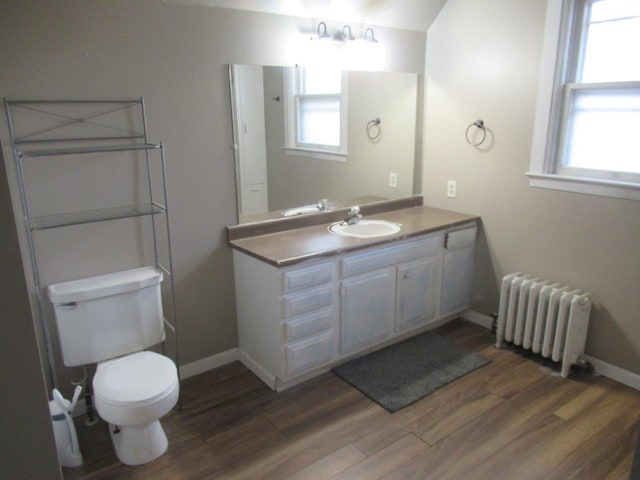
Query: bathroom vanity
pixel 308 299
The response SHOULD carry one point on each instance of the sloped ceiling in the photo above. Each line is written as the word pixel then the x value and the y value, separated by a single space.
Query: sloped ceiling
pixel 405 14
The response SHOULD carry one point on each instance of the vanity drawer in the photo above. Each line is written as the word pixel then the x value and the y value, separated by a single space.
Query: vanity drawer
pixel 311 352
pixel 297 303
pixel 308 324
pixel 307 277
pixel 460 238
pixel 384 257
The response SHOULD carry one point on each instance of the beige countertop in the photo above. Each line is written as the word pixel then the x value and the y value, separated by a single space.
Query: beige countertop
pixel 291 246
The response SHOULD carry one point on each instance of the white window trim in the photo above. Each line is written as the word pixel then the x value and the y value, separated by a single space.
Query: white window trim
pixel 317 154
pixel 338 154
pixel 547 120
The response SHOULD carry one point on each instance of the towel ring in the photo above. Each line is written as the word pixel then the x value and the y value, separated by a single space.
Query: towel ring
pixel 478 124
pixel 371 125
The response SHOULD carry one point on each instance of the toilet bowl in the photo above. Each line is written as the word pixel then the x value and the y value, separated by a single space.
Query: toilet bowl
pixel 111 320
pixel 132 393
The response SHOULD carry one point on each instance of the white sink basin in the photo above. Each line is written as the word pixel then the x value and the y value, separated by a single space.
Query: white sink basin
pixel 365 228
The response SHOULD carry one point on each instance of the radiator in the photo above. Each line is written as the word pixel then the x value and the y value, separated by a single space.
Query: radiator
pixel 545 317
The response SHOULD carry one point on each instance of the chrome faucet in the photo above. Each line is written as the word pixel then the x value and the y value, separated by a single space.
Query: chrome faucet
pixel 353 216
pixel 323 205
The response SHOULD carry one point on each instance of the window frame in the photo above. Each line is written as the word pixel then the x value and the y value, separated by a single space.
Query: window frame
pixel 292 121
pixel 560 56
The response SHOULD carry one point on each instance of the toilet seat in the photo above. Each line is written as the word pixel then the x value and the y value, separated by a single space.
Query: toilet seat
pixel 135 380
pixel 135 389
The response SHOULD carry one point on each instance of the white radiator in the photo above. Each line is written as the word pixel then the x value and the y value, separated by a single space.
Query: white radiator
pixel 544 317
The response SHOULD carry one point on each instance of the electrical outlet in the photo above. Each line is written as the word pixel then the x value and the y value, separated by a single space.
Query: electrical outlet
pixel 393 179
pixel 451 189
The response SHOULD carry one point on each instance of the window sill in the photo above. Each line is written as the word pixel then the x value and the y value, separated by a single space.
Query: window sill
pixel 604 188
pixel 317 154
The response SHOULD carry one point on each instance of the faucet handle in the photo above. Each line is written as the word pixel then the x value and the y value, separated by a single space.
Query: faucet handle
pixel 353 215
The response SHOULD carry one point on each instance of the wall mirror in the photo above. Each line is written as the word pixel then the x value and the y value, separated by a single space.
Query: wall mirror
pixel 278 167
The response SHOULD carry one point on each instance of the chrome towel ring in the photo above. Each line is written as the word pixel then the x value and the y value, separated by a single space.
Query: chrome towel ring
pixel 480 125
pixel 373 129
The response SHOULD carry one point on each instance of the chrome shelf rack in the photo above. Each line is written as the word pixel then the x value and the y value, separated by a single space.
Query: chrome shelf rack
pixel 51 128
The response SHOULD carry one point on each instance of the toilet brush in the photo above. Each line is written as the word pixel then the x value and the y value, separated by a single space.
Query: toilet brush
pixel 71 456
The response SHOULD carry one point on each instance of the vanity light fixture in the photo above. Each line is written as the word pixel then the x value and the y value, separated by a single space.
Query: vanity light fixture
pixel 322 31
pixel 342 49
pixel 371 38
pixel 342 35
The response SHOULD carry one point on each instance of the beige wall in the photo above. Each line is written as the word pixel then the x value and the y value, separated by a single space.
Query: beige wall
pixel 482 62
pixel 176 57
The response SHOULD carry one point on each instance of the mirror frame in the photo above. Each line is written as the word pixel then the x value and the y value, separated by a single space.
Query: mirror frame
pixel 411 187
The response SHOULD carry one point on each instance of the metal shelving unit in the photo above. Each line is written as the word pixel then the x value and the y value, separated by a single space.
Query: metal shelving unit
pixel 45 128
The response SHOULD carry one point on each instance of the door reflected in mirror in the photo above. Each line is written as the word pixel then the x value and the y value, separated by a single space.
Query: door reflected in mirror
pixel 277 169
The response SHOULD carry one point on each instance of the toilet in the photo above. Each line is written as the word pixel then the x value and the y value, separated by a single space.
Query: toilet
pixel 110 320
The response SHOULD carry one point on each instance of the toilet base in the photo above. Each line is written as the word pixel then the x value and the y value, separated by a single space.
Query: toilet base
pixel 139 444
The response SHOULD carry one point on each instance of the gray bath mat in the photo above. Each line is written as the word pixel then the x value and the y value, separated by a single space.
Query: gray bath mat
pixel 400 374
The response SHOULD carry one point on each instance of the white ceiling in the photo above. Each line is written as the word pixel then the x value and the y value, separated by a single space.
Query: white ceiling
pixel 406 14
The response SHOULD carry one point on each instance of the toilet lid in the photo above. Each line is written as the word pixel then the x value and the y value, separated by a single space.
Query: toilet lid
pixel 138 378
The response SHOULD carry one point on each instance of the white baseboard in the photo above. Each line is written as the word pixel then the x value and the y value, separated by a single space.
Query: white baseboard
pixel 618 374
pixel 477 318
pixel 258 370
pixel 209 363
pixel 600 367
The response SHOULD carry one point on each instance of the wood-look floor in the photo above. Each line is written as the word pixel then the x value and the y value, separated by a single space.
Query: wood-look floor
pixel 512 419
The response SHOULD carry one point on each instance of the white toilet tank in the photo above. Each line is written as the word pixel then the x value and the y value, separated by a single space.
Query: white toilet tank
pixel 109 315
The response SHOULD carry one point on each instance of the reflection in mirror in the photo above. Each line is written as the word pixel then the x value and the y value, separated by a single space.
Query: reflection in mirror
pixel 275 172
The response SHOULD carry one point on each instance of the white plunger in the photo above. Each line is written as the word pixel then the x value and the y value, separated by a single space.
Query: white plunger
pixel 73 455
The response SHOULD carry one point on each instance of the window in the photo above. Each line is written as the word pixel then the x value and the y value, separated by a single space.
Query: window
pixel 315 106
pixel 588 111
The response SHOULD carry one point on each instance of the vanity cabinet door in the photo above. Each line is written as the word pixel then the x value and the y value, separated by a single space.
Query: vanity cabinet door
pixel 417 289
pixel 367 308
pixel 456 280
pixel 457 270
